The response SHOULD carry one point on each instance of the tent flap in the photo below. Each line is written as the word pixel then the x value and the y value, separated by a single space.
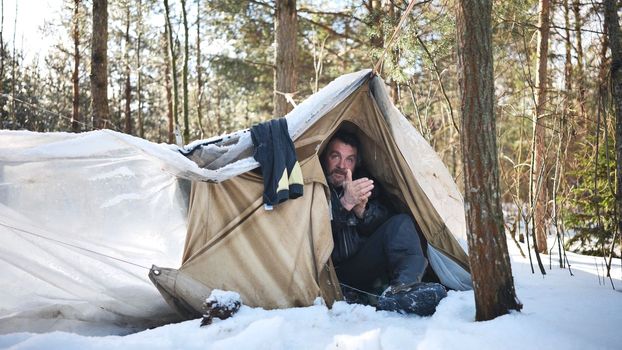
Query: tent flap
pixel 183 293
pixel 271 258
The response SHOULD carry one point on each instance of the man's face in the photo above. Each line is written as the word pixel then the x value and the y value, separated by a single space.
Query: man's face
pixel 339 157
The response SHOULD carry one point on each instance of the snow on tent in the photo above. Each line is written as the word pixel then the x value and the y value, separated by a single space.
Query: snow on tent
pixel 82 216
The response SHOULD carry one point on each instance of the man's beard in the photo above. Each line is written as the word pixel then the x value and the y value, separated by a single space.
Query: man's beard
pixel 334 181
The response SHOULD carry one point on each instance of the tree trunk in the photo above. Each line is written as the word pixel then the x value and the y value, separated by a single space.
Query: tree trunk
pixel 199 74
pixel 219 126
pixel 488 255
pixel 568 46
pixel 168 88
pixel 173 62
pixel 139 79
pixel 394 90
pixel 579 45
pixel 2 98
pixel 1 43
pixel 12 115
pixel 375 12
pixel 285 77
pixel 539 173
pixel 613 21
pixel 76 120
pixel 99 64
pixel 128 71
pixel 185 75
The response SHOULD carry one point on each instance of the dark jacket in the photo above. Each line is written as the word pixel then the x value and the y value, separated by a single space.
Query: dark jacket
pixel 280 169
pixel 350 232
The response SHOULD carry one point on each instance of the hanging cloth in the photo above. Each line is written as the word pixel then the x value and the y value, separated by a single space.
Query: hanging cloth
pixel 275 152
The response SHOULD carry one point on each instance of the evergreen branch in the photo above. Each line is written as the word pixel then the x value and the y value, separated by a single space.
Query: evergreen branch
pixel 329 13
pixel 251 62
pixel 440 81
pixel 552 26
pixel 331 30
pixel 406 4
pixel 261 3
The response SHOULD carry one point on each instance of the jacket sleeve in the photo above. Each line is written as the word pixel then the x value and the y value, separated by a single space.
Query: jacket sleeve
pixel 375 215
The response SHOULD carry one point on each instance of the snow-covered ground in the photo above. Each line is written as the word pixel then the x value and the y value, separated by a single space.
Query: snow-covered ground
pixel 560 311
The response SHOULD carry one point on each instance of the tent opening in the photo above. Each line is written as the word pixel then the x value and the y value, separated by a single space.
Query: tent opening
pixel 376 164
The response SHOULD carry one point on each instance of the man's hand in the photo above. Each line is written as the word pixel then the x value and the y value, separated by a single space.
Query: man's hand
pixel 356 193
pixel 359 209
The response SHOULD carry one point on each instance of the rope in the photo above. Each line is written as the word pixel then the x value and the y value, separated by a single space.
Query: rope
pixel 289 96
pixel 411 4
pixel 359 290
pixel 72 245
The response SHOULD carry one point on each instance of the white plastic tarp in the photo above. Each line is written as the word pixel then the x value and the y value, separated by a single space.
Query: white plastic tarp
pixel 82 217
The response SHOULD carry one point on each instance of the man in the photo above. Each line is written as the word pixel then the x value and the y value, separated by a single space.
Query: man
pixel 371 246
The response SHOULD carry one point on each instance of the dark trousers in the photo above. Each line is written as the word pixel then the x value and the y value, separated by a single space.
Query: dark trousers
pixel 392 252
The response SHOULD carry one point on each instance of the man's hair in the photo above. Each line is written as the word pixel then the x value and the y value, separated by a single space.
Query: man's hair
pixel 348 138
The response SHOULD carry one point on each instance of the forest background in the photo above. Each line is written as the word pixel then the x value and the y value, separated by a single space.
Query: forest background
pixel 213 67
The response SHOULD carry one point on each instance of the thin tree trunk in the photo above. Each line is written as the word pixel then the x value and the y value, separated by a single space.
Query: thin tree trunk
pixel 139 79
pixel 99 64
pixel 76 120
pixel 517 180
pixel 488 255
pixel 604 80
pixel 375 11
pixel 603 70
pixel 285 76
pixel 1 42
pixel 535 183
pixel 604 66
pixel 393 86
pixel 168 88
pixel 437 73
pixel 13 77
pixel 318 61
pixel 556 180
pixel 2 98
pixel 185 75
pixel 128 84
pixel 199 74
pixel 538 128
pixel 172 60
pixel 219 126
pixel 611 12
pixel 568 46
pixel 579 47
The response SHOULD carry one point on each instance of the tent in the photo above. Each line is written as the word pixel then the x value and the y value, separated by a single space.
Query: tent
pixel 83 216
pixel 280 258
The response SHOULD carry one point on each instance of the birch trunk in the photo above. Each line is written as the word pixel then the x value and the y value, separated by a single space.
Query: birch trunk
pixel 540 172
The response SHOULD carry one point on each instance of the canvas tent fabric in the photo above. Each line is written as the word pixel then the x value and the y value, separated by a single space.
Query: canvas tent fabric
pixel 83 216
pixel 280 258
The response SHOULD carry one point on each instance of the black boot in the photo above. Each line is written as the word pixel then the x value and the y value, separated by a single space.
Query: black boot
pixel 419 298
